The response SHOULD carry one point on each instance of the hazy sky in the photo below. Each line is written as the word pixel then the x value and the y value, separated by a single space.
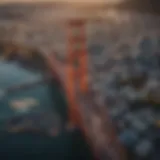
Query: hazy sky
pixel 89 1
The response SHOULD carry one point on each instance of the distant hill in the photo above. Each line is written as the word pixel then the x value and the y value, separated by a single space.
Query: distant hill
pixel 21 10
pixel 17 10
pixel 149 6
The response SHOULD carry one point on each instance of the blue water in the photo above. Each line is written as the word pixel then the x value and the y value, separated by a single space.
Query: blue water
pixel 65 146
pixel 10 75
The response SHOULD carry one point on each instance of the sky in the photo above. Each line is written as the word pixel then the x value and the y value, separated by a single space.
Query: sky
pixel 84 1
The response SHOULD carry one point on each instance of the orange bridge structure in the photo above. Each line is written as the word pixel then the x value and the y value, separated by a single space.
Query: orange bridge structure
pixel 84 111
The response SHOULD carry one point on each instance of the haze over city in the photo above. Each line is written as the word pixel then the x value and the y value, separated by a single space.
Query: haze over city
pixel 72 1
